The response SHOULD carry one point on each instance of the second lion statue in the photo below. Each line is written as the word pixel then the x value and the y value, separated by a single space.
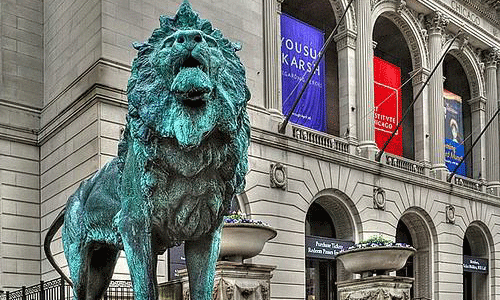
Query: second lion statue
pixel 181 159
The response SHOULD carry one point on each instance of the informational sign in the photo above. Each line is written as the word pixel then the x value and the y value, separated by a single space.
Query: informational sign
pixel 388 105
pixel 300 46
pixel 176 260
pixel 325 248
pixel 454 133
pixel 475 264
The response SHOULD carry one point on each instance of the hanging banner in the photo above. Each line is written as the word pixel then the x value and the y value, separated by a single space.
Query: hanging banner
pixel 454 147
pixel 300 46
pixel 388 105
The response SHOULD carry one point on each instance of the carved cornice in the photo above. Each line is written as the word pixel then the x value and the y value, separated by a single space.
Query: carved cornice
pixel 421 77
pixel 345 39
pixel 487 8
pixel 477 104
pixel 436 22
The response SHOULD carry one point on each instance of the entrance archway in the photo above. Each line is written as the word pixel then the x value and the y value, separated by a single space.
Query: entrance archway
pixel 416 228
pixel 328 221
pixel 476 253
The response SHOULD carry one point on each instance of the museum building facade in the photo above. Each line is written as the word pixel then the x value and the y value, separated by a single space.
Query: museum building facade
pixel 64 69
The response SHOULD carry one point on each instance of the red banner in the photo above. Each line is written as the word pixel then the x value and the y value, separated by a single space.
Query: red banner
pixel 388 105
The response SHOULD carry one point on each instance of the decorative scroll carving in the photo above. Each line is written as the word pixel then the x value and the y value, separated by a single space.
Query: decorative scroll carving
pixel 405 18
pixel 378 294
pixel 450 214
pixel 379 198
pixel 490 57
pixel 278 176
pixel 436 22
pixel 476 81
pixel 338 8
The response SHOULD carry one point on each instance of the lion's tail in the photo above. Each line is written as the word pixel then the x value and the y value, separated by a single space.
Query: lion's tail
pixel 58 222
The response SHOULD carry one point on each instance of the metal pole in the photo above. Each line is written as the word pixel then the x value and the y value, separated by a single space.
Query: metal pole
pixel 42 290
pixel 61 289
pixel 450 176
pixel 379 154
pixel 320 56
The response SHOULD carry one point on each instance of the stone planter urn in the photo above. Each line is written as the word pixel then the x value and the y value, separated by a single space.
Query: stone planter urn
pixel 369 260
pixel 243 240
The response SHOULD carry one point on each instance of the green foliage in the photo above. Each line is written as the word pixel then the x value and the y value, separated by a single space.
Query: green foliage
pixel 377 239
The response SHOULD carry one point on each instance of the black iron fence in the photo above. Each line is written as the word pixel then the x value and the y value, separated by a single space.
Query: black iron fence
pixel 58 289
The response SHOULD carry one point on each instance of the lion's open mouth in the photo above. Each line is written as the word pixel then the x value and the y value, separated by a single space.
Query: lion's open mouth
pixel 191 84
pixel 192 62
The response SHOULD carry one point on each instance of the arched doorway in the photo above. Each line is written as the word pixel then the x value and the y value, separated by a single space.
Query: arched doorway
pixel 320 273
pixel 328 229
pixel 403 235
pixel 476 264
pixel 416 228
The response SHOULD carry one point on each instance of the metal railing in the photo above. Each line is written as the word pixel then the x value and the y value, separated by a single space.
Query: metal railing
pixel 58 289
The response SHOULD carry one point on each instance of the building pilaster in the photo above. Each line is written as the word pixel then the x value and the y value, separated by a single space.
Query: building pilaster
pixel 272 57
pixel 492 137
pixel 478 108
pixel 421 119
pixel 365 82
pixel 346 49
pixel 436 24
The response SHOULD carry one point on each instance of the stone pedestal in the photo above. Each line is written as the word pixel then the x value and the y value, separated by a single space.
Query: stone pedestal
pixel 237 281
pixel 382 287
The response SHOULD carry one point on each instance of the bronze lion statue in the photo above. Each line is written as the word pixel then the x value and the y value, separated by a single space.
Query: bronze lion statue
pixel 181 159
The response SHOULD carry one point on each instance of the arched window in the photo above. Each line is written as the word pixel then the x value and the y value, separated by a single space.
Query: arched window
pixel 392 59
pixel 314 18
pixel 458 121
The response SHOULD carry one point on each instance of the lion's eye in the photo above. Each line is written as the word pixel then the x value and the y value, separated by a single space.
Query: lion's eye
pixel 180 39
pixel 198 38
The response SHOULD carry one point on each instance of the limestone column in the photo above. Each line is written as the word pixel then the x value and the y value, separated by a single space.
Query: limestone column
pixel 478 116
pixel 364 81
pixel 272 57
pixel 421 120
pixel 436 24
pixel 346 49
pixel 491 134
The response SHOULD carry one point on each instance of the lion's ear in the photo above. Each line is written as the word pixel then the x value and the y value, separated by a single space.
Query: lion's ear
pixel 141 47
pixel 236 46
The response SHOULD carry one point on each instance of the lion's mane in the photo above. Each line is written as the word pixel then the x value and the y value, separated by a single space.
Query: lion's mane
pixel 195 160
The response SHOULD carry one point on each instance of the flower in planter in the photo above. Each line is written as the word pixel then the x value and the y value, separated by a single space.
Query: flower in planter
pixel 237 217
pixel 377 241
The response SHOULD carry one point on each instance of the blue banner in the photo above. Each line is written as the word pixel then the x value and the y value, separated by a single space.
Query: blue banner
pixel 454 133
pixel 300 46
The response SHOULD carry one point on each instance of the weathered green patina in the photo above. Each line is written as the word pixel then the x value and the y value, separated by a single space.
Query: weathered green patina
pixel 182 158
